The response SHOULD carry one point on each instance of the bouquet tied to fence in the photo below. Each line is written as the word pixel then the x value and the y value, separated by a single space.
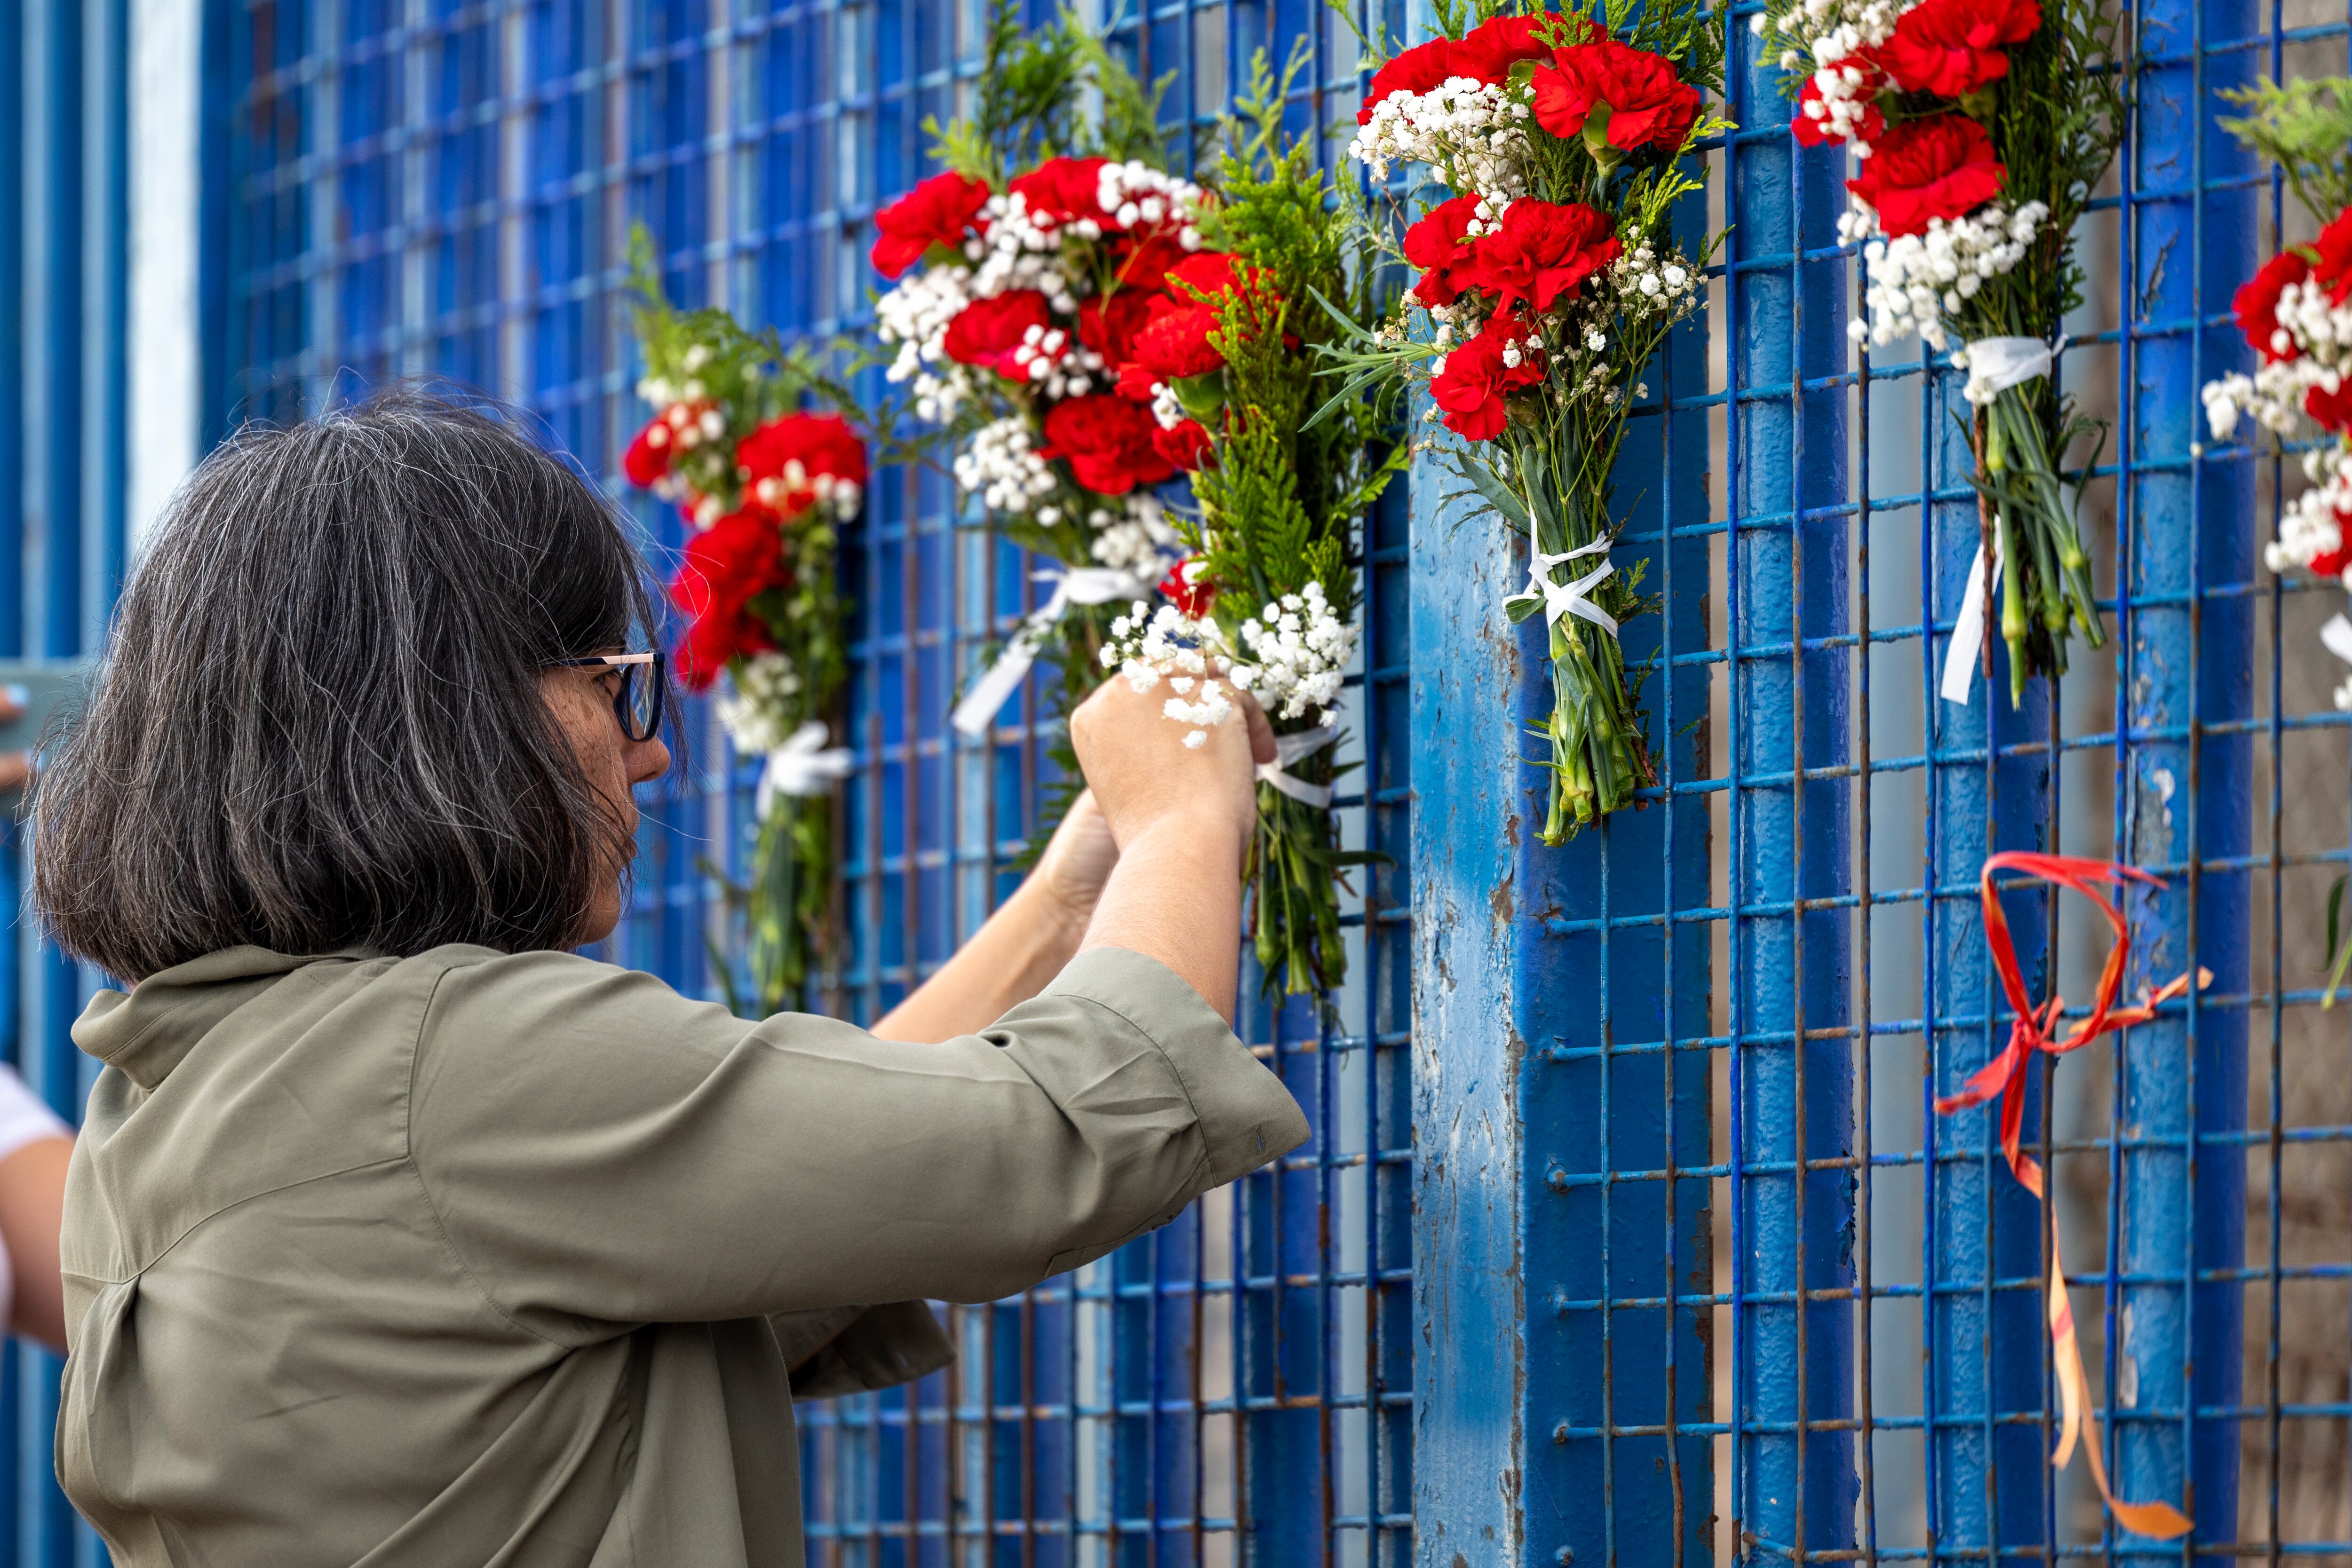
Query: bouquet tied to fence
pixel 2296 314
pixel 1548 278
pixel 1984 128
pixel 1021 274
pixel 765 484
pixel 1268 601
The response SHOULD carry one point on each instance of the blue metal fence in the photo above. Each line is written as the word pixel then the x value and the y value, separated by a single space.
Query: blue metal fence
pixel 445 189
pixel 1702 1274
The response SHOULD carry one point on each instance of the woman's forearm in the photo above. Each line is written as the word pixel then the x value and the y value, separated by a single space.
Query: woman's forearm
pixel 1176 896
pixel 1008 960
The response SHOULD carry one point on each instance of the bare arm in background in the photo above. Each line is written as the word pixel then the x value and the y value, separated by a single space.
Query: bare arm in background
pixel 1024 944
pixel 32 1204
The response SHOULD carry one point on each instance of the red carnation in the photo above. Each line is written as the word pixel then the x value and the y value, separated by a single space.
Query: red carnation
pixel 1419 68
pixel 1472 386
pixel 1137 381
pixel 1543 250
pixel 1174 342
pixel 2333 269
pixel 939 211
pixel 1108 323
pixel 1183 587
pixel 725 566
pixel 1107 442
pixel 648 455
pixel 2330 409
pixel 1186 447
pixel 1063 190
pixel 1811 125
pixel 781 460
pixel 1648 105
pixel 1437 245
pixel 2331 563
pixel 1929 169
pixel 1491 49
pixel 991 332
pixel 2255 304
pixel 1952 47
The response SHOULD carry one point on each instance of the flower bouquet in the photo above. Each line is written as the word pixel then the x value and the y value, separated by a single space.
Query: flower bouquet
pixel 1548 277
pixel 1984 128
pixel 1021 274
pixel 2296 314
pixel 763 485
pixel 1268 601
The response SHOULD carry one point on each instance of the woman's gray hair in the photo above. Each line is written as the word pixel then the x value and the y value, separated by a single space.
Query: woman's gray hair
pixel 319 725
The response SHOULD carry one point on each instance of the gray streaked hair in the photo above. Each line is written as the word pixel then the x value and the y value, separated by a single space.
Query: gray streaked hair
pixel 318 724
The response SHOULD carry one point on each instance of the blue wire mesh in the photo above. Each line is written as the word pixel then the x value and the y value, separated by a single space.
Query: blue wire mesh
pixel 1882 1388
pixel 445 191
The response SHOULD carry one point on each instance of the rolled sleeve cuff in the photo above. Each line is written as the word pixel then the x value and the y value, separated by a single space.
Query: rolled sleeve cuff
pixel 1246 1117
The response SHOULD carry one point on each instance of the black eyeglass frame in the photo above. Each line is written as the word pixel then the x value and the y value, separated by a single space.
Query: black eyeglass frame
pixel 655 664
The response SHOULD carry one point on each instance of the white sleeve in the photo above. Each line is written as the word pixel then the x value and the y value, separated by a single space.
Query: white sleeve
pixel 25 1117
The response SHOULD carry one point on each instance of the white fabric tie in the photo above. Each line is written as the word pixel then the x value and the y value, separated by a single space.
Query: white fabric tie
pixel 1078 585
pixel 1289 748
pixel 2337 635
pixel 803 765
pixel 1568 598
pixel 1960 656
pixel 1997 364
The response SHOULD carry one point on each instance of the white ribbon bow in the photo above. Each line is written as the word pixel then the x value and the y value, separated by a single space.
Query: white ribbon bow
pixel 803 765
pixel 1078 585
pixel 1568 598
pixel 1289 748
pixel 1997 364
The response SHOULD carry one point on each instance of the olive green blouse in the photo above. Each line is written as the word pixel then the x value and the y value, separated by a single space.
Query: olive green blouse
pixel 475 1258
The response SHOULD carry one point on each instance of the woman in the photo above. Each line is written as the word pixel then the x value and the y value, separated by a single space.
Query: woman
pixel 397 1233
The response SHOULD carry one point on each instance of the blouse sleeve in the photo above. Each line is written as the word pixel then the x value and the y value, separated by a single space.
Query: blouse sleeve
pixel 600 1150
pixel 24 1116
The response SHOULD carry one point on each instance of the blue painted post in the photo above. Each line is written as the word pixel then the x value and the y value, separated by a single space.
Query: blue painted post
pixel 2184 799
pixel 1791 1091
pixel 1556 1008
pixel 1988 1478
pixel 1469 1294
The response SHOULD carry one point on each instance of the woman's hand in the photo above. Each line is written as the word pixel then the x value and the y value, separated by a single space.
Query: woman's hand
pixel 1182 816
pixel 1143 774
pixel 1077 861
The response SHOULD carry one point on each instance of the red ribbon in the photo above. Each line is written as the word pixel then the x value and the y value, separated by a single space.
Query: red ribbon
pixel 2004 1076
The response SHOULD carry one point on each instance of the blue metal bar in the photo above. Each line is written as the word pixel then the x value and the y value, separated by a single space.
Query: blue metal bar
pixel 2189 665
pixel 1790 842
pixel 1984 1225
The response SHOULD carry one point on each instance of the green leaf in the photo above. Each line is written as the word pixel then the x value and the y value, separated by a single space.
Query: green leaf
pixel 1495 491
pixel 1203 396
pixel 2338 960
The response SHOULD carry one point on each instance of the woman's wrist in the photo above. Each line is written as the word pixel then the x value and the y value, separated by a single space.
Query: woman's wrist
pixel 1058 920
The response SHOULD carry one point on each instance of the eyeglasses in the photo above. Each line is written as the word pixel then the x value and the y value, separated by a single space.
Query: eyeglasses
pixel 637 702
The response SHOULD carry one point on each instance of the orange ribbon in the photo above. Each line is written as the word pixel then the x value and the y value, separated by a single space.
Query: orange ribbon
pixel 2004 1076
